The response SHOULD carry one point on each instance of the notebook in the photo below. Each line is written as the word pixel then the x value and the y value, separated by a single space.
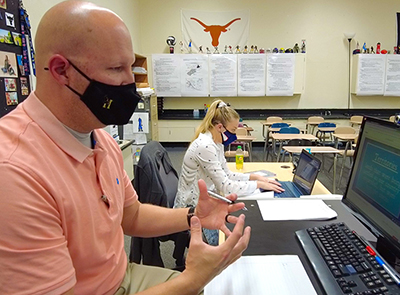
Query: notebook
pixel 304 177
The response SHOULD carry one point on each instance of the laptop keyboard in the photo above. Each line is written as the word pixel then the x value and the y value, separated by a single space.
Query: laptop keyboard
pixel 342 262
pixel 290 191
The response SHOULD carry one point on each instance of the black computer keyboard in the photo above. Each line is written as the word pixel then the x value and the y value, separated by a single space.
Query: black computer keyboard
pixel 342 263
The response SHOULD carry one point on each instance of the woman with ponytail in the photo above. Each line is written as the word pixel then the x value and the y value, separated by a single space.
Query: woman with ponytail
pixel 205 160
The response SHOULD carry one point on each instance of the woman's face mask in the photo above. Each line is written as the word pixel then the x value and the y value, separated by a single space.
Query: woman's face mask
pixel 228 137
pixel 111 104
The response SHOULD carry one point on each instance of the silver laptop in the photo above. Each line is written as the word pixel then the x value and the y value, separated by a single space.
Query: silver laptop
pixel 304 177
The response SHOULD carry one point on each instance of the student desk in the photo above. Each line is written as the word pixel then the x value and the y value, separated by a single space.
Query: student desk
pixel 278 237
pixel 317 150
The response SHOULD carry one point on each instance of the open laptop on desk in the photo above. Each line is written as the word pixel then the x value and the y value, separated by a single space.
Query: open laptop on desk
pixel 304 177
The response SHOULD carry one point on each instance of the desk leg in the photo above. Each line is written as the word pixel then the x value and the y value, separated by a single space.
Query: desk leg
pixel 266 149
pixel 279 151
pixel 334 174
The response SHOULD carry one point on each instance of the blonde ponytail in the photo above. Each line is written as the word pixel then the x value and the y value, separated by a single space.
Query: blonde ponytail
pixel 218 112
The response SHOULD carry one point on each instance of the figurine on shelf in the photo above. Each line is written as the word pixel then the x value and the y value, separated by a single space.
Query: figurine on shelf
pixel 171 43
pixel 357 50
pixel 395 50
pixel 255 49
pixel 367 51
pixel 251 49
pixel 181 45
pixel 275 50
pixel 226 49
pixel 237 51
pixel 289 50
pixel 190 46
pixel 262 50
pixel 378 48
pixel 303 46
pixel 296 48
pixel 216 50
pixel 372 50
pixel 245 51
pixel 364 48
pixel 268 50
pixel 230 50
pixel 208 50
pixel 201 49
pixel 282 50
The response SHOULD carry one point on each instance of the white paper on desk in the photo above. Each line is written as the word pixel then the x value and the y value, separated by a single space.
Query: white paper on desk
pixel 258 275
pixel 257 195
pixel 295 209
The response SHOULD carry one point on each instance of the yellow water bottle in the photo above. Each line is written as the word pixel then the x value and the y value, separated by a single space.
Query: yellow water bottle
pixel 239 158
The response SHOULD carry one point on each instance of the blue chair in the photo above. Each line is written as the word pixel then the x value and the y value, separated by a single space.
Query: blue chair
pixel 321 134
pixel 290 130
pixel 279 125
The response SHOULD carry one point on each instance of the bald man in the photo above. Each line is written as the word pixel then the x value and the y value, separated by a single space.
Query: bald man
pixel 66 201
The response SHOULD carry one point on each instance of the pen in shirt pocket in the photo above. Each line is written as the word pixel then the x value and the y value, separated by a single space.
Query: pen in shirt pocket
pixel 223 199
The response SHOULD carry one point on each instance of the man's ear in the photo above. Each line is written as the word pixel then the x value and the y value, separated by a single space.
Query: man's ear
pixel 58 66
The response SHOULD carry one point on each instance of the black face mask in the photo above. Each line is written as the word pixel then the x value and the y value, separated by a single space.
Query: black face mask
pixel 112 105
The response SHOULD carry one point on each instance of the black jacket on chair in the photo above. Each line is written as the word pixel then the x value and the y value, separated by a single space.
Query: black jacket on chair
pixel 156 182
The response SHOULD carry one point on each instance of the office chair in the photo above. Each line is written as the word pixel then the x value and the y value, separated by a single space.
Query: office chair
pixel 156 182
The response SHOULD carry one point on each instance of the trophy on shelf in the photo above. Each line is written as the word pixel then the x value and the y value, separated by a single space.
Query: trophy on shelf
pixel 208 50
pixel 216 50
pixel 364 48
pixel 303 46
pixel 237 51
pixel 378 48
pixel 201 49
pixel 372 50
pixel 251 49
pixel 255 49
pixel 296 48
pixel 230 50
pixel 181 45
pixel 245 50
pixel 171 43
pixel 226 49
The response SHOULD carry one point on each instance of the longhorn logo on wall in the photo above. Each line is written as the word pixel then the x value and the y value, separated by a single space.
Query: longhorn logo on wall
pixel 210 29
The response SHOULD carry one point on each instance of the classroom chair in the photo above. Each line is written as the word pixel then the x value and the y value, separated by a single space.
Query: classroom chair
pixel 312 122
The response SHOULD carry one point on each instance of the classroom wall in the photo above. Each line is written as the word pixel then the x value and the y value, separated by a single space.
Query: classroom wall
pixel 281 24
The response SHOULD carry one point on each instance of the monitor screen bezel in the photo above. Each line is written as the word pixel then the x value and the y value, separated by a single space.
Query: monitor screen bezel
pixel 392 244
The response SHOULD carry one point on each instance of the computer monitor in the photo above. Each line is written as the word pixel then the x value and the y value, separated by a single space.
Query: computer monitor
pixel 373 190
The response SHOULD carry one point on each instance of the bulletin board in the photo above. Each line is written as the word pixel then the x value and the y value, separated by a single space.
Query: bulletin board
pixel 14 83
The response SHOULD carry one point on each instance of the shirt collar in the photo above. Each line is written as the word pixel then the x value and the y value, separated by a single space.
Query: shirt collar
pixel 40 114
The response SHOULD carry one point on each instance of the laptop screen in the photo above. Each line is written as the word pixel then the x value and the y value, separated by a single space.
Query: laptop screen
pixel 306 172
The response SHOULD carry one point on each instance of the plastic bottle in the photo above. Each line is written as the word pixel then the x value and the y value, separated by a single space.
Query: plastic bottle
pixel 205 109
pixel 239 158
pixel 137 155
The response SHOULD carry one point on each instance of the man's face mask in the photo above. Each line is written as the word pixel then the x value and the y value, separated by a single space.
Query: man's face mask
pixel 111 104
pixel 228 137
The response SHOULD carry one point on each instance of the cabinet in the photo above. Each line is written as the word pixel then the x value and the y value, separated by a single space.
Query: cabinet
pixel 139 70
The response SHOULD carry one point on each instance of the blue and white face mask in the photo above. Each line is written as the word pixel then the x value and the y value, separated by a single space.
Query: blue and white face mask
pixel 228 137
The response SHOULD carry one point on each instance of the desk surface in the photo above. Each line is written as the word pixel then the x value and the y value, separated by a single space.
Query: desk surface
pixel 278 237
pixel 281 172
pixel 287 136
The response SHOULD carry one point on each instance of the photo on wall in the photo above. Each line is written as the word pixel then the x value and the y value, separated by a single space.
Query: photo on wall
pixel 8 65
pixel 17 38
pixel 6 37
pixel 10 84
pixel 3 4
pixel 10 22
pixel 11 98
pixel 24 86
pixel 20 65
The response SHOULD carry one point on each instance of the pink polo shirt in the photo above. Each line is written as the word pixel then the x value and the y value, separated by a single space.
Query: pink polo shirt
pixel 55 231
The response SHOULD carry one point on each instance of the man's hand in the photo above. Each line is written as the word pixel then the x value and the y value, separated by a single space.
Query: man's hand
pixel 204 262
pixel 212 212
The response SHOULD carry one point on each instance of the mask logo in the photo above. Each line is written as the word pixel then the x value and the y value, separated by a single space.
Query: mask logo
pixel 107 103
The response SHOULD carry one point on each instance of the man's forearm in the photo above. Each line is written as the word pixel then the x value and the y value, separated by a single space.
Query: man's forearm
pixel 152 221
